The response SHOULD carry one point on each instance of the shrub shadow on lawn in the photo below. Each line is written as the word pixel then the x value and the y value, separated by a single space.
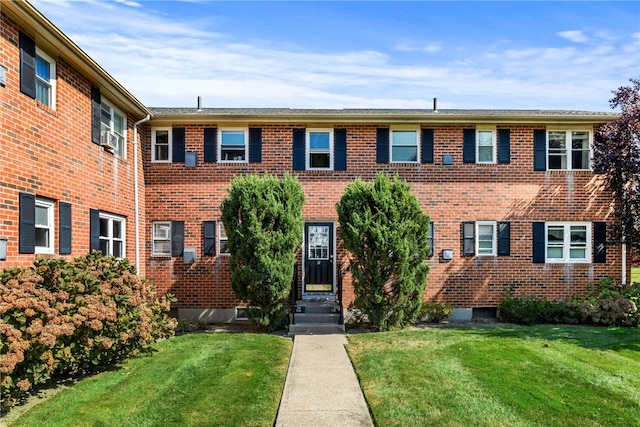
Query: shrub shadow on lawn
pixel 592 337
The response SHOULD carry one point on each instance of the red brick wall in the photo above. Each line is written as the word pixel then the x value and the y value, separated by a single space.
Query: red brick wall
pixel 48 152
pixel 449 195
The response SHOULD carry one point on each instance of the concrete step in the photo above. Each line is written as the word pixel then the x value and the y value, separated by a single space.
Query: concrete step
pixel 317 307
pixel 311 317
pixel 315 329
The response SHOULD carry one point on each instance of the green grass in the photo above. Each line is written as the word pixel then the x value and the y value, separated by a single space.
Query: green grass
pixel 215 379
pixel 508 376
pixel 635 274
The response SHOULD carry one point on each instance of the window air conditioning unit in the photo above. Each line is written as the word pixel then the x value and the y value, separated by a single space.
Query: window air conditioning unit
pixel 109 140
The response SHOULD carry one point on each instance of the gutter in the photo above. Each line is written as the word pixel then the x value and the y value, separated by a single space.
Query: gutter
pixel 136 189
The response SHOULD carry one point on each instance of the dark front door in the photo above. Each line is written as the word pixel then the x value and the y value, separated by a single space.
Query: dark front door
pixel 318 258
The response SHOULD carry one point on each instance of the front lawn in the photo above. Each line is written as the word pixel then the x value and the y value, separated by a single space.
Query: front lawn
pixel 635 274
pixel 210 379
pixel 501 376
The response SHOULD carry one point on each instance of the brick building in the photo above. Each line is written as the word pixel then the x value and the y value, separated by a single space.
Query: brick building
pixel 511 196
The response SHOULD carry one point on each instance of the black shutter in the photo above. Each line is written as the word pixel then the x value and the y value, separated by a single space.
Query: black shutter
pixel 255 145
pixel 64 241
pixel 538 243
pixel 599 242
pixel 382 145
pixel 504 145
pixel 27 224
pixel 178 135
pixel 96 111
pixel 94 230
pixel 468 238
pixel 177 238
pixel 427 146
pixel 299 162
pixel 27 67
pixel 504 238
pixel 209 237
pixel 469 145
pixel 539 150
pixel 340 149
pixel 210 144
pixel 430 240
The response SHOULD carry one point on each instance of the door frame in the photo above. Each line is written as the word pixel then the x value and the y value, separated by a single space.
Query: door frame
pixel 306 295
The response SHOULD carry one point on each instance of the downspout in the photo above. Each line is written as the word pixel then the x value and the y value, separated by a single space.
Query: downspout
pixel 135 189
pixel 624 264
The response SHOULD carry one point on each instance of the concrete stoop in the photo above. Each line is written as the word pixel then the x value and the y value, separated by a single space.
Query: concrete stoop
pixel 316 318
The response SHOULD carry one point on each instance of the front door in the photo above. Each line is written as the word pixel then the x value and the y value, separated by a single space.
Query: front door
pixel 319 271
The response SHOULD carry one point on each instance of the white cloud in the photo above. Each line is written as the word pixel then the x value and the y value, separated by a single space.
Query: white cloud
pixel 166 62
pixel 575 36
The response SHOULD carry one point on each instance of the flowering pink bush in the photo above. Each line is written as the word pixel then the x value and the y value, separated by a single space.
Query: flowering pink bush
pixel 60 318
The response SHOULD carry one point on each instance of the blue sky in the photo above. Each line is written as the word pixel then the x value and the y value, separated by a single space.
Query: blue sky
pixel 336 54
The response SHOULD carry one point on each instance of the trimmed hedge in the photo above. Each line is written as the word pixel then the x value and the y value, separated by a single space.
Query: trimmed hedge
pixel 606 304
pixel 62 318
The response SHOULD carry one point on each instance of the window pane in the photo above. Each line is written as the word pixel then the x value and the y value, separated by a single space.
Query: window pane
pixel 578 253
pixel 118 123
pixel 404 154
pixel 42 237
pixel 553 252
pixel 485 138
pixel 319 160
pixel 404 137
pixel 580 150
pixel 161 231
pixel 117 249
pixel 104 227
pixel 319 141
pixel 557 141
pixel 233 137
pixel 43 68
pixel 104 246
pixel 485 154
pixel 555 235
pixel 578 235
pixel 162 137
pixel 42 216
pixel 162 247
pixel 162 152
pixel 117 229
pixel 232 153
pixel 43 92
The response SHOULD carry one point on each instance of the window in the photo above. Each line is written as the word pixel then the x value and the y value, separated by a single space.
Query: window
pixel 223 241
pixel 233 145
pixel 486 146
pixel 404 145
pixel 569 150
pixel 44 227
pixel 45 79
pixel 568 242
pixel 486 241
pixel 112 232
pixel 113 125
pixel 162 238
pixel 319 149
pixel 161 145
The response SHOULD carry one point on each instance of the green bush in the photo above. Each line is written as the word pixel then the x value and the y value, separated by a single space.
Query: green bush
pixel 384 229
pixel 606 304
pixel 530 310
pixel 61 318
pixel 434 312
pixel 263 220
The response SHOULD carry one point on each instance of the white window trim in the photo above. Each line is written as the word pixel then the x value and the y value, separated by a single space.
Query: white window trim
pixel 566 259
pixel 246 145
pixel 52 72
pixel 308 149
pixel 494 144
pixel 153 145
pixel 153 238
pixel 110 238
pixel 114 110
pixel 49 205
pixel 494 238
pixel 567 132
pixel 221 231
pixel 404 128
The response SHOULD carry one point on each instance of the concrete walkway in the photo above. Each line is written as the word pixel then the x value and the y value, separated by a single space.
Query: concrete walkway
pixel 321 387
